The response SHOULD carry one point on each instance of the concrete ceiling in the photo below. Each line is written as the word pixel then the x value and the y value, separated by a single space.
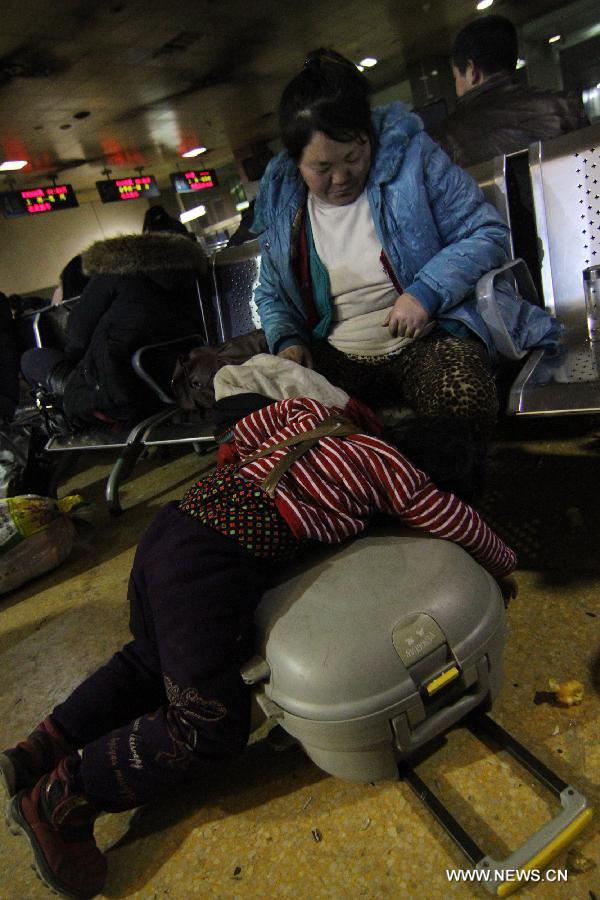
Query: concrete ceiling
pixel 158 78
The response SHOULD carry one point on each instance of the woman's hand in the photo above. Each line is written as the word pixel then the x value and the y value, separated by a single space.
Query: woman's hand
pixel 407 317
pixel 298 353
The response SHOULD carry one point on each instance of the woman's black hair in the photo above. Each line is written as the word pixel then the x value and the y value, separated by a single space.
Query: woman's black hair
pixel 329 95
pixel 449 449
pixel 72 278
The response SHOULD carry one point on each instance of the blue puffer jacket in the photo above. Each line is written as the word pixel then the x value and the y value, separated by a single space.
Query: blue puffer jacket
pixel 435 228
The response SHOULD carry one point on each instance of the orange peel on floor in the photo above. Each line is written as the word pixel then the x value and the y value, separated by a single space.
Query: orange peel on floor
pixel 567 693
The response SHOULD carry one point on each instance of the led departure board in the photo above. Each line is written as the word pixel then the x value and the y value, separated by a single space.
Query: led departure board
pixel 194 180
pixel 134 188
pixel 37 200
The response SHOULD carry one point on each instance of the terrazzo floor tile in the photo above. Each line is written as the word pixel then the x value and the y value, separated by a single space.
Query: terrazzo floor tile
pixel 272 824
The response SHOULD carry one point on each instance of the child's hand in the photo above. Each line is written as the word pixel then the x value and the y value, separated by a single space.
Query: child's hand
pixel 298 353
pixel 509 587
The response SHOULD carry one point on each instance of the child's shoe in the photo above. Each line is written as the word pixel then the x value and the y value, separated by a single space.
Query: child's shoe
pixel 23 765
pixel 59 824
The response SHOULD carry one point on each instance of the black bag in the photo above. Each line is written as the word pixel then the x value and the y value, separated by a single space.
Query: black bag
pixel 193 380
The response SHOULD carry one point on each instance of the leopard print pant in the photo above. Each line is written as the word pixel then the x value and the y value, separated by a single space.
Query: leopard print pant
pixel 437 375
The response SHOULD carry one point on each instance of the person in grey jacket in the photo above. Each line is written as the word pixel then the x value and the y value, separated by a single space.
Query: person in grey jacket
pixel 372 242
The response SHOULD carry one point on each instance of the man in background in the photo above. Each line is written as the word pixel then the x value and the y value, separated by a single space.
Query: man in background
pixel 495 112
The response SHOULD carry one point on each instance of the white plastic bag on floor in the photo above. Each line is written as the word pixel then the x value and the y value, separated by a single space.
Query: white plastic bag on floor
pixel 36 535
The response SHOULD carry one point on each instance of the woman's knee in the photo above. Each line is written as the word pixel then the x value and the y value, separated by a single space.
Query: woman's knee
pixel 466 391
pixel 452 376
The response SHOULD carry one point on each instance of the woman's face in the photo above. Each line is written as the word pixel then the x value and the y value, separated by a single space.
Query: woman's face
pixel 335 171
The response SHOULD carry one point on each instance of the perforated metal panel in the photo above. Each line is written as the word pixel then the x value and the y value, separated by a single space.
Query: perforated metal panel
pixel 565 175
pixel 589 201
pixel 235 274
pixel 569 383
pixel 581 365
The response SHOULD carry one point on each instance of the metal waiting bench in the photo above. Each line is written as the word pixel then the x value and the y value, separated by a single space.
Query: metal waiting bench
pixel 154 364
pixel 233 311
pixel 235 274
pixel 169 425
pixel 565 205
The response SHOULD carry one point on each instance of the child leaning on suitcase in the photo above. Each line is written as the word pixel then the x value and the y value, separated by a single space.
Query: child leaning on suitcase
pixel 171 703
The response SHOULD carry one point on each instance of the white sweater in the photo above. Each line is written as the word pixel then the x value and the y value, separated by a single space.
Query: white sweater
pixel 362 293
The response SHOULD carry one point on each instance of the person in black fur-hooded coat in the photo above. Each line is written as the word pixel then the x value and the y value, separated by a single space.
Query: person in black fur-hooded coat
pixel 141 292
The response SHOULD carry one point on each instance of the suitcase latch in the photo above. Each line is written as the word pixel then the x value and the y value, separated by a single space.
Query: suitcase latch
pixel 440 681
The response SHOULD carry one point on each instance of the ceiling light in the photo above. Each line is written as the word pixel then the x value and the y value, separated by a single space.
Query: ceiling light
pixel 554 39
pixel 368 62
pixel 193 213
pixel 361 68
pixel 598 86
pixel 484 4
pixel 195 152
pixel 521 63
pixel 11 165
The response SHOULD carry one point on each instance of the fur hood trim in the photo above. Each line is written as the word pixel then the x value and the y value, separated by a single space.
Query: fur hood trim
pixel 134 254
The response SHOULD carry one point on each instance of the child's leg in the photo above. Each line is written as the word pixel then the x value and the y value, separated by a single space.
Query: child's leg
pixel 127 686
pixel 131 682
pixel 202 589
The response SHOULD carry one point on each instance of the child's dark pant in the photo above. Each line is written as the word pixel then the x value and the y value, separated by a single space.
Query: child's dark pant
pixel 171 702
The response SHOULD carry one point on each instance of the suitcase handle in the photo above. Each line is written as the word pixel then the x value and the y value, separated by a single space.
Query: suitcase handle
pixel 504 877
pixel 509 874
pixel 548 841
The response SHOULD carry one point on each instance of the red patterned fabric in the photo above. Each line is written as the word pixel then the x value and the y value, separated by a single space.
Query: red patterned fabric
pixel 241 510
pixel 227 454
pixel 332 491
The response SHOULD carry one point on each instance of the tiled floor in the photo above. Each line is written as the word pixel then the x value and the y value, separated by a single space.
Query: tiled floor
pixel 250 833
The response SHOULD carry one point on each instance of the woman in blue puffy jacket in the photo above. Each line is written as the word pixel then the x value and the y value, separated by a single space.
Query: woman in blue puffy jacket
pixel 372 242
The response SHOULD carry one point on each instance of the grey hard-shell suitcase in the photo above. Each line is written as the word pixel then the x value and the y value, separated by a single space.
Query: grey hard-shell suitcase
pixel 372 649
pixel 369 650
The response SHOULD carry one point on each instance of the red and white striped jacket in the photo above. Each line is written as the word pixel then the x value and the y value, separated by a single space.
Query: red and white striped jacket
pixel 335 488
